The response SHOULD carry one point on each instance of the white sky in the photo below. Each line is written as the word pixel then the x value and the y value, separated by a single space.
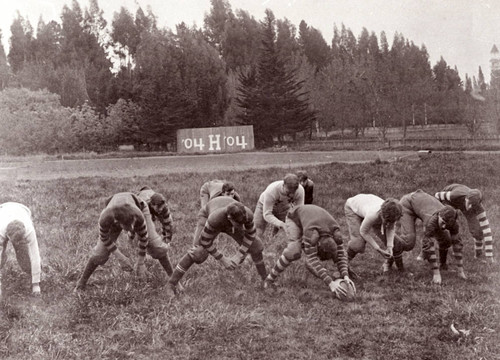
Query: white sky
pixel 462 31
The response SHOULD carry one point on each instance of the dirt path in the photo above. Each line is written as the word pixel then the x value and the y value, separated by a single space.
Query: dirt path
pixel 123 167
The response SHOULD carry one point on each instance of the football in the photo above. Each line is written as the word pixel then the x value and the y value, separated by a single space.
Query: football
pixel 350 291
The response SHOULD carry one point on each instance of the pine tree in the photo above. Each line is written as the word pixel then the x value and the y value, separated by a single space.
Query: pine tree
pixel 4 67
pixel 20 43
pixel 271 98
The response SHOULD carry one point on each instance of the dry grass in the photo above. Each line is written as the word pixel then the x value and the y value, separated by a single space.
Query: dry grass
pixel 225 315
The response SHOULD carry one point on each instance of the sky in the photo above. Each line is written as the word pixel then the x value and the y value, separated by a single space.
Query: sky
pixel 461 31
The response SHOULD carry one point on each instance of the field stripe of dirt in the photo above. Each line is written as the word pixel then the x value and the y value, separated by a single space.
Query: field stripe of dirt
pixel 145 166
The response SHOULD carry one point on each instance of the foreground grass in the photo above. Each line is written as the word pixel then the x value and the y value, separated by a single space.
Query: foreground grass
pixel 225 315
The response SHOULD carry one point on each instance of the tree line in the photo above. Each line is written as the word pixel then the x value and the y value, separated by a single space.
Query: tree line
pixel 89 85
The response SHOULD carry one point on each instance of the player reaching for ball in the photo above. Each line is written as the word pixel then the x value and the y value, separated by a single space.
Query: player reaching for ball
pixel 366 214
pixel 312 229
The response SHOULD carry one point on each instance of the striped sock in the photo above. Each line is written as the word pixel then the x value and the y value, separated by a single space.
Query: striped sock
pixel 280 266
pixel 181 269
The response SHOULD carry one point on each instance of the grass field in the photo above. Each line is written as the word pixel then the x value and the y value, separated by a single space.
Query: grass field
pixel 225 315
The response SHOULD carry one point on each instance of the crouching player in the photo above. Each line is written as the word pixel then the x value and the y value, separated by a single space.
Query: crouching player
pixel 469 202
pixel 159 211
pixel 367 213
pixel 312 229
pixel 221 215
pixel 126 211
pixel 441 230
pixel 275 202
pixel 214 188
pixel 17 227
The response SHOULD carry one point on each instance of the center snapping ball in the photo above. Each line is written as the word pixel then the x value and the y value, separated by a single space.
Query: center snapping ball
pixel 350 290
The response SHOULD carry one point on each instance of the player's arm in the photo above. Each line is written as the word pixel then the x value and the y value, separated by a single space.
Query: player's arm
pixel 390 232
pixel 166 224
pixel 248 239
pixel 364 230
pixel 310 240
pixel 141 230
pixel 204 194
pixel 342 262
pixel 443 196
pixel 484 224
pixel 3 257
pixel 267 210
pixel 299 196
pixel 35 262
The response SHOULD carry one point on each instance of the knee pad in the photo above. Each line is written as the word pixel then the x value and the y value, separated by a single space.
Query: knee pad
pixel 198 254
pixel 257 257
pixel 256 247
pixel 357 247
pixel 293 251
pixel 99 259
pixel 157 252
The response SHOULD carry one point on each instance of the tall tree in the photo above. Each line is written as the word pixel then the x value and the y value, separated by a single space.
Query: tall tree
pixel 47 45
pixel 493 93
pixel 215 23
pixel 271 98
pixel 97 65
pixel 449 92
pixel 20 43
pixel 241 41
pixel 286 41
pixel 4 67
pixel 314 46
pixel 125 33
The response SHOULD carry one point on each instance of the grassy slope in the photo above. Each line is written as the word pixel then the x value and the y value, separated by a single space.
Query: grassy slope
pixel 225 315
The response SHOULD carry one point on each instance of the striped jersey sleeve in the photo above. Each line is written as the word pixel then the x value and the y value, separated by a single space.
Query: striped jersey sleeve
pixel 208 235
pixel 165 218
pixel 488 237
pixel 311 252
pixel 341 255
pixel 443 196
pixel 141 230
pixel 248 238
pixel 105 223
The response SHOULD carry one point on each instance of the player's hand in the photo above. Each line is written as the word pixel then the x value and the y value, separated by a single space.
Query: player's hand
pixel 384 253
pixel 461 274
pixel 140 270
pixel 228 264
pixel 349 281
pixel 436 279
pixel 337 289
pixel 389 250
pixel 35 289
pixel 166 239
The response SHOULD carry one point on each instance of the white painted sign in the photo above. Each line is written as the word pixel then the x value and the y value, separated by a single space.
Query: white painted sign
pixel 215 140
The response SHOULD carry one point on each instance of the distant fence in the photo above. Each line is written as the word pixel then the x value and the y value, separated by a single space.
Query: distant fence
pixel 215 139
pixel 373 143
pixel 431 131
